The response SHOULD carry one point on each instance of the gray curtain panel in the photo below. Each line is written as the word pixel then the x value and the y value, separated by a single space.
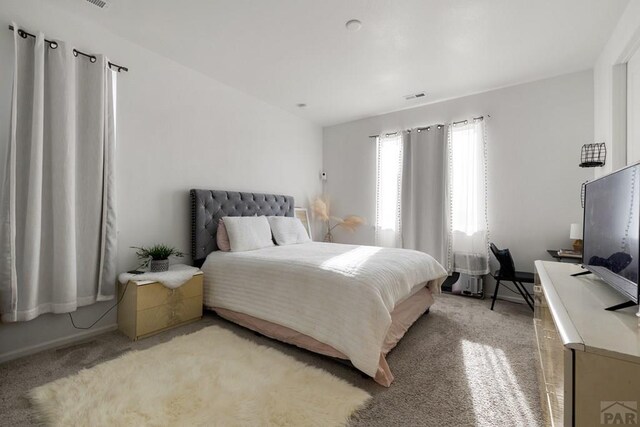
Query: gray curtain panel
pixel 58 234
pixel 425 216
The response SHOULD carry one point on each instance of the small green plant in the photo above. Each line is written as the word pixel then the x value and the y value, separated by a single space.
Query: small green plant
pixel 155 252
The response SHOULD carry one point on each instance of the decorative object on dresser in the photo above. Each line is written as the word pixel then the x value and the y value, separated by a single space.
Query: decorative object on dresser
pixel 508 273
pixel 303 215
pixel 156 257
pixel 149 306
pixel 322 210
pixel 208 378
pixel 575 233
pixel 589 357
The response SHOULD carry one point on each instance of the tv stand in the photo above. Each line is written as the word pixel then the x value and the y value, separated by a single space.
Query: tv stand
pixel 587 356
pixel 621 306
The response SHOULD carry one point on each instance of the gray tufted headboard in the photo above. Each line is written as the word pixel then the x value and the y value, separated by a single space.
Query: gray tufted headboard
pixel 208 206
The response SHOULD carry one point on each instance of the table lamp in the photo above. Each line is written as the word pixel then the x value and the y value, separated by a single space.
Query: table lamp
pixel 576 235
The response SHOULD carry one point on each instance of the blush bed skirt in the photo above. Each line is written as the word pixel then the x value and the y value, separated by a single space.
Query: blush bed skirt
pixel 402 317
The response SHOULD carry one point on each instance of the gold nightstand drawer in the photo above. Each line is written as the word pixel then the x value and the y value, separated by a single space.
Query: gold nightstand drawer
pixel 147 309
pixel 156 294
pixel 158 318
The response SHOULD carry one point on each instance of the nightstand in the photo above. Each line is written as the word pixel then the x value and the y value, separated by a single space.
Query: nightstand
pixel 150 307
pixel 555 254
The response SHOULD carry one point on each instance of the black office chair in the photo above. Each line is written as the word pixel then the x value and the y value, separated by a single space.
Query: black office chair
pixel 508 273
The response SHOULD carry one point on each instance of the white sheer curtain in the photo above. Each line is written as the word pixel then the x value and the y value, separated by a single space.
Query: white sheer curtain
pixel 388 229
pixel 424 193
pixel 58 202
pixel 467 192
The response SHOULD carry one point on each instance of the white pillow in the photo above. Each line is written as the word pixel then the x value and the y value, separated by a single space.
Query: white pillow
pixel 288 230
pixel 247 233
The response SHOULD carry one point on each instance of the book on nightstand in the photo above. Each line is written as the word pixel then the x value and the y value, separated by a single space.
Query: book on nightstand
pixel 570 253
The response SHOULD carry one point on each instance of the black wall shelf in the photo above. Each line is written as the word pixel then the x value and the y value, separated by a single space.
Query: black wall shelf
pixel 593 155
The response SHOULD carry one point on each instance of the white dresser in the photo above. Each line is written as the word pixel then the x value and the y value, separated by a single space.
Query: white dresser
pixel 589 368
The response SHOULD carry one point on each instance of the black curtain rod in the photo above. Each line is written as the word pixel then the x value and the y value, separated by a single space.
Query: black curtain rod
pixel 426 128
pixel 467 121
pixel 420 129
pixel 54 44
pixel 386 134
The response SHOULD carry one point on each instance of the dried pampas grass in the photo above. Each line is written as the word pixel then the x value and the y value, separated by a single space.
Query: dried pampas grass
pixel 352 222
pixel 322 209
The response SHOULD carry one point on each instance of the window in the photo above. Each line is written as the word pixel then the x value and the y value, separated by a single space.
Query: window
pixel 388 190
pixel 466 173
pixel 468 193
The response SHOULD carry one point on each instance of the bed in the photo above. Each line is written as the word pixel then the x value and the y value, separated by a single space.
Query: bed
pixel 344 301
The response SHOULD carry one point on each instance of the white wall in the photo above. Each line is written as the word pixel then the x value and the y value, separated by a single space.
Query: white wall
pixel 610 88
pixel 177 129
pixel 534 137
pixel 633 108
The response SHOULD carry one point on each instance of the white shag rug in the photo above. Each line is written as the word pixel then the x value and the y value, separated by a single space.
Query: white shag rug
pixel 210 377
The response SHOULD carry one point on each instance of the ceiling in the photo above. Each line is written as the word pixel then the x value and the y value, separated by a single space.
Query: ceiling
pixel 287 52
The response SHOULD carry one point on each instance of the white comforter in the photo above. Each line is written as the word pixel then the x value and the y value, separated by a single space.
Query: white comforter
pixel 341 295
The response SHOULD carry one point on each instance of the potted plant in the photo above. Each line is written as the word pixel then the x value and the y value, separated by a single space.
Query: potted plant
pixel 321 208
pixel 156 257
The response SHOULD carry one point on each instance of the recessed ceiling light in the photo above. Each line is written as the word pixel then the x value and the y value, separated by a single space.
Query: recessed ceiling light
pixel 301 105
pixel 353 25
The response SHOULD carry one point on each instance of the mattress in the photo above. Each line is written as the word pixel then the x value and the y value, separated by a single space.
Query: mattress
pixel 339 295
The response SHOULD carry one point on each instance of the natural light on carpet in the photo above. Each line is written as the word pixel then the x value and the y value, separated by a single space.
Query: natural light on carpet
pixel 493 384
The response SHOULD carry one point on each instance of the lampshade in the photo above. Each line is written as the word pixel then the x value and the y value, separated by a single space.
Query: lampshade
pixel 576 232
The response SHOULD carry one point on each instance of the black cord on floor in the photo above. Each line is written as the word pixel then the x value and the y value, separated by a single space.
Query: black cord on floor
pixel 104 314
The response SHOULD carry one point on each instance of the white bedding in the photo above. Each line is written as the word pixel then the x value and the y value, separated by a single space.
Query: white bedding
pixel 341 295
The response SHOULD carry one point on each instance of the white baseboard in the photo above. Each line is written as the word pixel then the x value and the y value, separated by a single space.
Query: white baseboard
pixel 80 336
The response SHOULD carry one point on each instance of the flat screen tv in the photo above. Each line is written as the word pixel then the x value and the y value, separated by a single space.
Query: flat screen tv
pixel 612 231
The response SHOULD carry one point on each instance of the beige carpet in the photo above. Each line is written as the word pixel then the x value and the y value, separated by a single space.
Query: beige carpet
pixel 460 365
pixel 210 377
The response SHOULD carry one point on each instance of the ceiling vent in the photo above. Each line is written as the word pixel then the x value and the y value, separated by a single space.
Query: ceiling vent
pixel 412 96
pixel 102 4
